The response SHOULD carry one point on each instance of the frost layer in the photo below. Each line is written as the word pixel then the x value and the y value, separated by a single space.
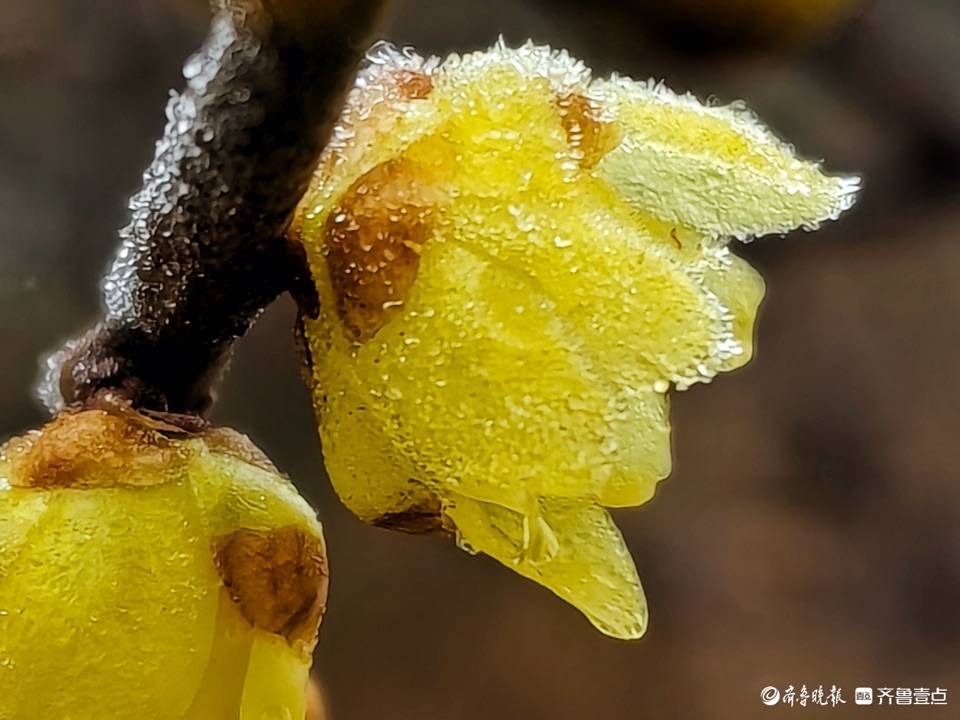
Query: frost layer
pixel 515 263
pixel 148 575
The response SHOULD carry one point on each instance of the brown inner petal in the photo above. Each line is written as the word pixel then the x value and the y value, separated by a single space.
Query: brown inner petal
pixel 585 130
pixel 373 239
pixel 413 85
pixel 92 448
pixel 278 578
pixel 422 518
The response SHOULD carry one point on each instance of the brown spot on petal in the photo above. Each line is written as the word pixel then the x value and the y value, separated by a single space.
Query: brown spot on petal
pixel 590 136
pixel 676 239
pixel 373 239
pixel 413 85
pixel 93 448
pixel 278 578
pixel 423 518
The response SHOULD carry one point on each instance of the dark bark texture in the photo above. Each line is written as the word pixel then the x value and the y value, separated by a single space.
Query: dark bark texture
pixel 204 251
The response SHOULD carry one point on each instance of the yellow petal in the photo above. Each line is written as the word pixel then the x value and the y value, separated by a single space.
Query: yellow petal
pixel 475 397
pixel 588 563
pixel 97 619
pixel 221 688
pixel 716 169
pixel 740 289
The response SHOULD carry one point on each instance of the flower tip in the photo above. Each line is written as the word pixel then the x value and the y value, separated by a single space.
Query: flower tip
pixel 630 625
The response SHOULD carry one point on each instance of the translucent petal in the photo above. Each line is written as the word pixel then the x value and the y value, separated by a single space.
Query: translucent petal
pixel 586 561
pixel 716 169
pixel 740 289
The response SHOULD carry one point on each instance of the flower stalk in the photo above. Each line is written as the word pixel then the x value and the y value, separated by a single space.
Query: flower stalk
pixel 204 251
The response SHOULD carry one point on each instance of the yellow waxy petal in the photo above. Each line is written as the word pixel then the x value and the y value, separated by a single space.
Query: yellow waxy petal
pixel 582 558
pixel 221 687
pixel 92 612
pixel 740 289
pixel 276 681
pixel 476 415
pixel 715 169
pixel 148 574
pixel 514 264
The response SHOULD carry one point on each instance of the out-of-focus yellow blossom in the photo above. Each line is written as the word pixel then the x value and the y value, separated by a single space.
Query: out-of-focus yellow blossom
pixel 515 262
pixel 145 573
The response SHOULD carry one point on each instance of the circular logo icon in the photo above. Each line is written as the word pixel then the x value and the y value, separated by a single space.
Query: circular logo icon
pixel 770 695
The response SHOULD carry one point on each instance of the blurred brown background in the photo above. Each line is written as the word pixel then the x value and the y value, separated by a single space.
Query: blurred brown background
pixel 810 533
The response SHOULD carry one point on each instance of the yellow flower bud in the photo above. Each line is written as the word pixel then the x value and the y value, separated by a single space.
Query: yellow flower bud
pixel 515 263
pixel 148 573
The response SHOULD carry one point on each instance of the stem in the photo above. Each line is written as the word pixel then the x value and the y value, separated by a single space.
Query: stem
pixel 205 251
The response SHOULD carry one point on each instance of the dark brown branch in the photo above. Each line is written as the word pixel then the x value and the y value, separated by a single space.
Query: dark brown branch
pixel 204 252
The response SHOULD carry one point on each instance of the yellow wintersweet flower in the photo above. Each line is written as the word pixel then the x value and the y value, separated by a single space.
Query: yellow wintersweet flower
pixel 514 264
pixel 184 569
